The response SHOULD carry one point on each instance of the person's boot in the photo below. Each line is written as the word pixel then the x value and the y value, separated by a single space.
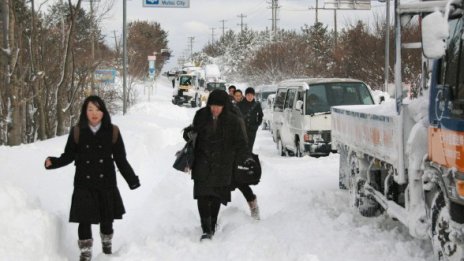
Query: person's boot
pixel 86 249
pixel 254 209
pixel 106 243
pixel 207 230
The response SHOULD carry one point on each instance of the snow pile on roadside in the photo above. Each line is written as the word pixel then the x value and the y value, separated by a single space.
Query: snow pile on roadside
pixel 28 232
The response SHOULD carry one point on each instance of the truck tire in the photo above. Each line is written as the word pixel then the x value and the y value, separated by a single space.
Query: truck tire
pixel 297 149
pixel 193 102
pixel 344 169
pixel 443 247
pixel 280 148
pixel 365 203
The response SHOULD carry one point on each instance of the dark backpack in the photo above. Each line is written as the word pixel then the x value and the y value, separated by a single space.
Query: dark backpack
pixel 76 133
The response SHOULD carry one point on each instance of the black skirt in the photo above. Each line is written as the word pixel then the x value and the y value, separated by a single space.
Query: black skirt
pixel 96 205
pixel 202 190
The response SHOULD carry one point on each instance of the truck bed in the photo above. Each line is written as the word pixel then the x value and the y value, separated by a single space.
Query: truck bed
pixel 371 129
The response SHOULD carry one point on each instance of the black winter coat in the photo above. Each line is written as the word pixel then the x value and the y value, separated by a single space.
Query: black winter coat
pixel 216 150
pixel 252 114
pixel 96 197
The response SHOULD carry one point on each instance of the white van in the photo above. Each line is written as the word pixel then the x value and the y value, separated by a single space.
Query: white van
pixel 301 112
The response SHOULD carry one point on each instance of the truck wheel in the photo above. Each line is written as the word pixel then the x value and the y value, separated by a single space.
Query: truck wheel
pixel 298 150
pixel 343 169
pixel 366 204
pixel 280 148
pixel 443 247
pixel 193 102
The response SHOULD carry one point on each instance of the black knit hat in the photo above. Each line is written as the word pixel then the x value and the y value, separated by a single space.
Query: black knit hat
pixel 250 90
pixel 218 97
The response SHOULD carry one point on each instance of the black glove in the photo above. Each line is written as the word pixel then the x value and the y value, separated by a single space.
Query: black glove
pixel 249 162
pixel 135 184
pixel 188 131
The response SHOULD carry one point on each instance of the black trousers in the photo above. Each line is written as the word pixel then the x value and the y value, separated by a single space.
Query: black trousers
pixel 247 192
pixel 85 230
pixel 209 207
pixel 251 133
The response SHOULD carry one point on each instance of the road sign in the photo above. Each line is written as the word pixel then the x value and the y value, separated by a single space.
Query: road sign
pixel 347 4
pixel 167 3
pixel 105 75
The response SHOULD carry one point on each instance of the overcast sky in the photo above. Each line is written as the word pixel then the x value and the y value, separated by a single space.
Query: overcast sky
pixel 197 21
pixel 203 15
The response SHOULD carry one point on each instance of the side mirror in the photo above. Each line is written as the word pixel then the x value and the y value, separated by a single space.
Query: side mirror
pixel 299 105
pixel 381 99
pixel 434 34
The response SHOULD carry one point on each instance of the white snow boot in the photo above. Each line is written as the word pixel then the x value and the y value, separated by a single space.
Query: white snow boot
pixel 106 243
pixel 254 209
pixel 86 249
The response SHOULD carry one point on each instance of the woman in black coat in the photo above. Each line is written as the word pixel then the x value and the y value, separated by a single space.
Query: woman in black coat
pixel 95 145
pixel 220 140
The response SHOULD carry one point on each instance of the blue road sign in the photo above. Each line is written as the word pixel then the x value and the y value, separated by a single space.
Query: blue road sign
pixel 167 3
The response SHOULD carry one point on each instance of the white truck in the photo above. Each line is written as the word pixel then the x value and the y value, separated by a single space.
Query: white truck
pixel 406 158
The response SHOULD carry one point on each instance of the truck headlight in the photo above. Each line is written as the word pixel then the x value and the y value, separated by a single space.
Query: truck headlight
pixel 313 138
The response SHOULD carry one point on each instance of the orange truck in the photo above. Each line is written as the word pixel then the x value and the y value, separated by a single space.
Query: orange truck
pixel 406 158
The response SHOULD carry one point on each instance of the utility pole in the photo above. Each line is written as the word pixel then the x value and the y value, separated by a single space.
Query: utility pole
pixel 317 11
pixel 212 34
pixel 241 22
pixel 92 48
pixel 335 27
pixel 124 62
pixel 274 7
pixel 387 46
pixel 223 26
pixel 191 39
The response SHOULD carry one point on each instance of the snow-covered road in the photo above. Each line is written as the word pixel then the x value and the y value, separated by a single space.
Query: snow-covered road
pixel 304 216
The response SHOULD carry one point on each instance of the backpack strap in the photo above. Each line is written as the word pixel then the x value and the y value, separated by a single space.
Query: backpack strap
pixel 76 133
pixel 115 134
pixel 76 130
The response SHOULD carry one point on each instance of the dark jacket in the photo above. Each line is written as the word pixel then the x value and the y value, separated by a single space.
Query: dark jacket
pixel 217 150
pixel 252 113
pixel 96 197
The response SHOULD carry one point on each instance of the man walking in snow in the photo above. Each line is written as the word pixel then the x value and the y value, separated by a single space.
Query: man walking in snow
pixel 220 137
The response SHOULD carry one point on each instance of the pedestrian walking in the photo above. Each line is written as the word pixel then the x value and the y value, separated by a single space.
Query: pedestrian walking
pixel 95 145
pixel 253 117
pixel 220 138
pixel 238 96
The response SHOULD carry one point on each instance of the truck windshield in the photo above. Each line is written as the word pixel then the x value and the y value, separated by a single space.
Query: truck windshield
pixel 322 96
pixel 185 80
pixel 215 85
pixel 452 75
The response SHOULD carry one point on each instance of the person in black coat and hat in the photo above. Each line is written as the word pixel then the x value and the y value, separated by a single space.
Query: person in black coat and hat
pixel 252 116
pixel 95 145
pixel 220 138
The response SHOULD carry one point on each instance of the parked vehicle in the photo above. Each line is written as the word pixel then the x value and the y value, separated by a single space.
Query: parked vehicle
pixel 262 92
pixel 407 160
pixel 267 111
pixel 211 86
pixel 301 115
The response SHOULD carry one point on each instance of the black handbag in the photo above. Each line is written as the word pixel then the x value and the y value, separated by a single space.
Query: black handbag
pixel 185 156
pixel 248 174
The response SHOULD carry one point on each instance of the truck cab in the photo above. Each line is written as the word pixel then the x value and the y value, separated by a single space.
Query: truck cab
pixel 187 90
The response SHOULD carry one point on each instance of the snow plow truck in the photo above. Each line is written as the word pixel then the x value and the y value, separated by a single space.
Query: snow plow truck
pixel 406 158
